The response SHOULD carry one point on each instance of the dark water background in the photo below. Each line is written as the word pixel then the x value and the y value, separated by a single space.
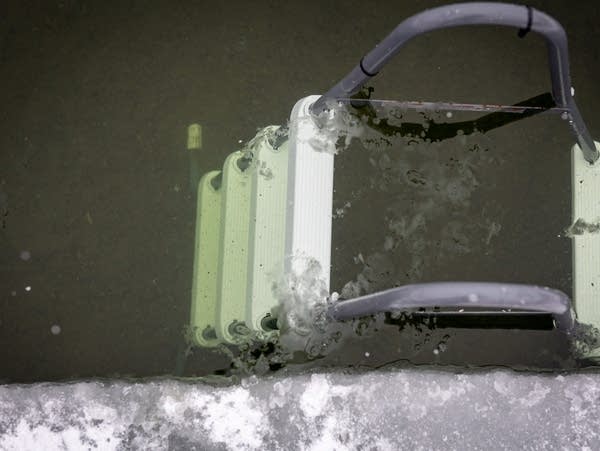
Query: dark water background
pixel 96 98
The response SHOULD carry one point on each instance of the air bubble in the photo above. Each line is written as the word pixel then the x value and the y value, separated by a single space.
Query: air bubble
pixel 361 328
pixel 55 329
pixel 313 351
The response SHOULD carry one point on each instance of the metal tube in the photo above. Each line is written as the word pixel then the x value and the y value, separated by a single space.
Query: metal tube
pixel 477 13
pixel 457 298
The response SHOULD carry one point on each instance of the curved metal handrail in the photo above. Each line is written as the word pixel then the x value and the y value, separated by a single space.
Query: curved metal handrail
pixel 486 298
pixel 477 13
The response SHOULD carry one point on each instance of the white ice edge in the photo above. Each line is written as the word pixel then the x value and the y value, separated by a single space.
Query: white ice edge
pixel 399 409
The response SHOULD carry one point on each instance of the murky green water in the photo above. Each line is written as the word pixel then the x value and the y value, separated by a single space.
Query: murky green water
pixel 96 214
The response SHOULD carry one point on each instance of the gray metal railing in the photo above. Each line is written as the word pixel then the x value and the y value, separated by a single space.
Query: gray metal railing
pixel 477 13
pixel 457 300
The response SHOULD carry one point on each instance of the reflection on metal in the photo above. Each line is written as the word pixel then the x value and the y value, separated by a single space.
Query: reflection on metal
pixel 428 129
pixel 535 105
pixel 468 305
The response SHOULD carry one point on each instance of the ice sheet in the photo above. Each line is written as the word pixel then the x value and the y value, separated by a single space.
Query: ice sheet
pixel 389 410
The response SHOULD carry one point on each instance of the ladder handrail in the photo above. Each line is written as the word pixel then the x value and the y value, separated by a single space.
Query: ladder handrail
pixel 476 13
pixel 484 297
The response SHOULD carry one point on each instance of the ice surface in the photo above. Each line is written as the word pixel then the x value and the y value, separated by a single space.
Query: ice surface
pixel 395 409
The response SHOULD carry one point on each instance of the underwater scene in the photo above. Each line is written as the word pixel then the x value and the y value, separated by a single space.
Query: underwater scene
pixel 226 226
